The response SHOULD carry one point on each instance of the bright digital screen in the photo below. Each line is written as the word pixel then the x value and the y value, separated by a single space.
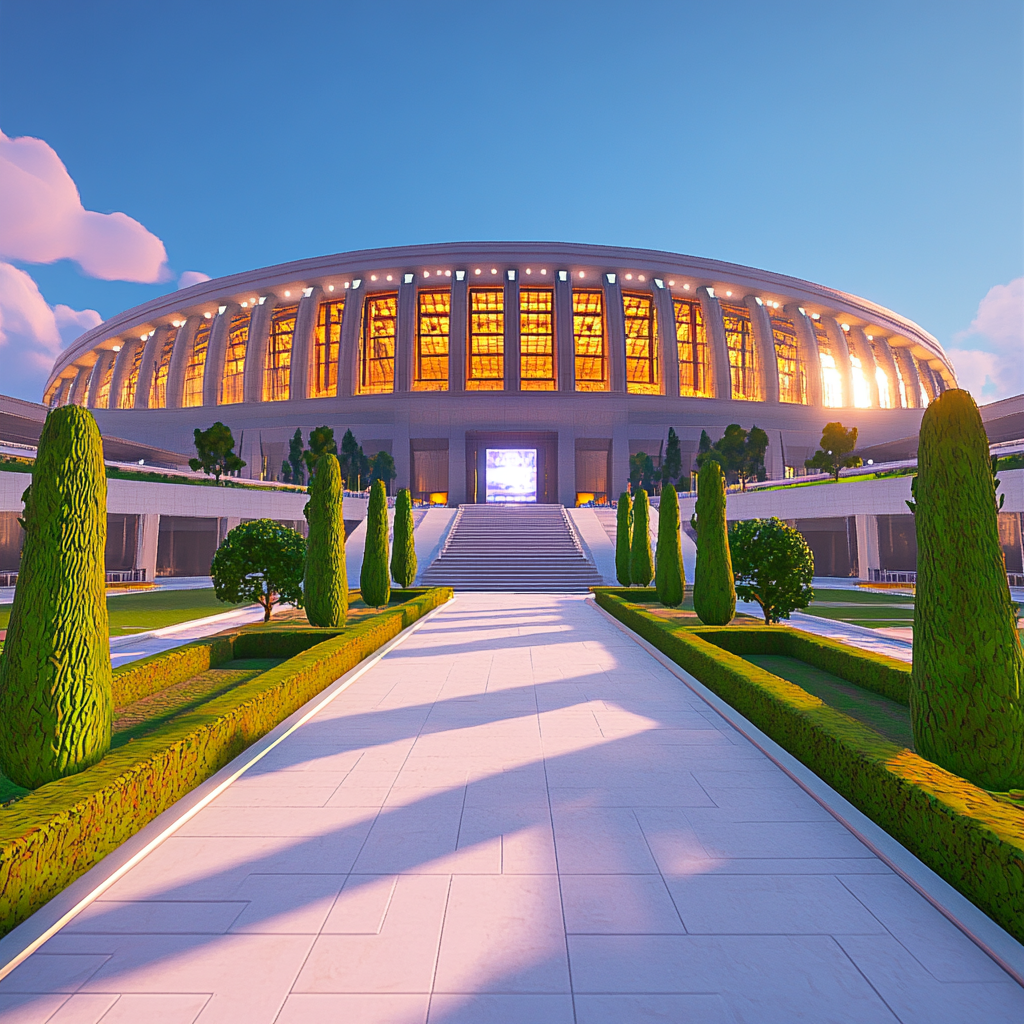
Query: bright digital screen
pixel 511 474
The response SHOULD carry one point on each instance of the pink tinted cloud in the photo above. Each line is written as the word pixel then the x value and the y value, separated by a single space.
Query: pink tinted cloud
pixel 191 277
pixel 42 220
pixel 988 355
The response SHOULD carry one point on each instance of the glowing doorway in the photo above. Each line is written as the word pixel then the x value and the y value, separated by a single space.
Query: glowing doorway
pixel 511 475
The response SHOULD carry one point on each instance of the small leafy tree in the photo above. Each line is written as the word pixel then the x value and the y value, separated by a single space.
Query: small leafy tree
pixel 355 466
pixel 325 588
pixel 296 460
pixel 382 467
pixel 623 538
pixel 670 575
pixel 834 452
pixel 321 442
pixel 641 472
pixel 739 452
pixel 215 449
pixel 773 566
pixel 260 561
pixel 403 555
pixel 374 578
pixel 714 592
pixel 672 467
pixel 641 560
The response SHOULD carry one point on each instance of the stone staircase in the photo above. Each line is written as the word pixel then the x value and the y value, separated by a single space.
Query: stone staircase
pixel 512 547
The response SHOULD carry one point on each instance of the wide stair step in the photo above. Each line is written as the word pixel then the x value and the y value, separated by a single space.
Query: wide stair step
pixel 512 547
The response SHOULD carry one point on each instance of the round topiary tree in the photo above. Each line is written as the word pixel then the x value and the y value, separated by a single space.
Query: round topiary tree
pixel 260 561
pixel 623 538
pixel 56 704
pixel 641 561
pixel 968 672
pixel 773 566
pixel 714 590
pixel 403 556
pixel 374 579
pixel 669 576
pixel 325 585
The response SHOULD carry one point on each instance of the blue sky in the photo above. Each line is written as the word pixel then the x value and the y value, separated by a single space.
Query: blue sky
pixel 873 147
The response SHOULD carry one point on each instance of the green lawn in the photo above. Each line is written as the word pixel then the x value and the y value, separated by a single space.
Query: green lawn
pixel 863 607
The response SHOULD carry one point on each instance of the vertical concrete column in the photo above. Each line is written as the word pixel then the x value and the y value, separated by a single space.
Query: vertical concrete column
pixel 867 545
pixel 401 453
pixel 457 347
pixel 457 465
pixel 122 366
pixel 180 355
pixel 807 351
pixel 405 334
pixel 615 319
pixel 714 325
pixel 147 367
pixel 668 346
pixel 348 345
pixel 80 386
pixel 256 348
pixel 513 365
pixel 884 358
pixel 250 449
pixel 99 371
pixel 302 343
pixel 564 335
pixel 567 467
pixel 911 378
pixel 146 544
pixel 620 458
pixel 768 364
pixel 861 348
pixel 841 354
pixel 213 372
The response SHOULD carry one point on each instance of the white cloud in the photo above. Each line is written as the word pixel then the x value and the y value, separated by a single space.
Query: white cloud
pixel 43 220
pixel 989 355
pixel 73 323
pixel 191 277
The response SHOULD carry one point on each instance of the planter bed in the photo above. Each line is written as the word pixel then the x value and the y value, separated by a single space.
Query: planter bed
pixel 970 837
pixel 182 715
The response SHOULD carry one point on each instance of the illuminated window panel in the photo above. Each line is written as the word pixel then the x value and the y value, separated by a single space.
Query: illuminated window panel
pixel 433 327
pixel 192 394
pixel 486 343
pixel 901 385
pixel 831 377
pixel 692 346
pixel 861 389
pixel 739 339
pixel 886 391
pixel 231 385
pixel 641 345
pixel 103 392
pixel 126 400
pixel 537 339
pixel 277 367
pixel 928 390
pixel 323 377
pixel 377 352
pixel 589 340
pixel 158 386
pixel 792 374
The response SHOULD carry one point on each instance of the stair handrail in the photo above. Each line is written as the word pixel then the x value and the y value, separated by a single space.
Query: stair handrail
pixel 451 531
pixel 571 527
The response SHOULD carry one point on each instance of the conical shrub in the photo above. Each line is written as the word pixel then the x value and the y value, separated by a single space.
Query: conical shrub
pixel 641 561
pixel 374 578
pixel 403 555
pixel 325 584
pixel 714 590
pixel 968 672
pixel 669 575
pixel 623 538
pixel 56 705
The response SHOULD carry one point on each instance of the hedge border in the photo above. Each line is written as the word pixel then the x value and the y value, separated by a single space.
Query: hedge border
pixel 55 834
pixel 968 837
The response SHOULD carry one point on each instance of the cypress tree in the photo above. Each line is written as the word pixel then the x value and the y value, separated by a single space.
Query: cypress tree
pixel 714 590
pixel 403 557
pixel 325 585
pixel 374 580
pixel 965 698
pixel 623 538
pixel 641 561
pixel 56 704
pixel 670 576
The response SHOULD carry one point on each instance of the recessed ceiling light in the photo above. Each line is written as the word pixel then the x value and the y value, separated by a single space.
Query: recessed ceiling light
pixel 581 274
pixel 641 278
pixel 629 277
pixel 330 287
pixel 373 277
pixel 287 295
pixel 426 273
pixel 389 277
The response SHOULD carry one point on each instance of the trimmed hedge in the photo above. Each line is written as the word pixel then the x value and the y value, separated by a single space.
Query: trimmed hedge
pixel 55 834
pixel 141 678
pixel 970 838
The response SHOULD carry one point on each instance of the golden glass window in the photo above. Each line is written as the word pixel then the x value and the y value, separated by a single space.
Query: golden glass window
pixel 103 392
pixel 192 395
pixel 323 377
pixel 126 400
pixel 277 367
pixel 641 345
pixel 861 389
pixel 588 339
pixel 886 391
pixel 901 386
pixel 377 352
pixel 433 325
pixel 486 342
pixel 739 339
pixel 692 346
pixel 232 383
pixel 924 373
pixel 792 373
pixel 537 339
pixel 158 386
pixel 831 377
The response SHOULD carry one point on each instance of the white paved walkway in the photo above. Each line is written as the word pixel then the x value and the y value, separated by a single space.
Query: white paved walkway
pixel 518 815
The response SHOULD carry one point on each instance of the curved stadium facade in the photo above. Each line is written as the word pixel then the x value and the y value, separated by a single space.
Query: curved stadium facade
pixel 580 354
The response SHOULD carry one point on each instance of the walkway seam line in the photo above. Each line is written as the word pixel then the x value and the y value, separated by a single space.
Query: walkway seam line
pixel 988 936
pixel 264 746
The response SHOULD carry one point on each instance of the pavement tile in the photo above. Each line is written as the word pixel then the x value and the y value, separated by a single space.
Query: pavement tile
pixel 111 917
pixel 285 904
pixel 691 1008
pixel 618 905
pixel 28 1008
pixel 501 1009
pixel 600 840
pixel 53 971
pixel 332 1008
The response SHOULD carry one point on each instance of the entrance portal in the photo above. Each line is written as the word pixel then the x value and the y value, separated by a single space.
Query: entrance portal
pixel 511 475
pixel 512 467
